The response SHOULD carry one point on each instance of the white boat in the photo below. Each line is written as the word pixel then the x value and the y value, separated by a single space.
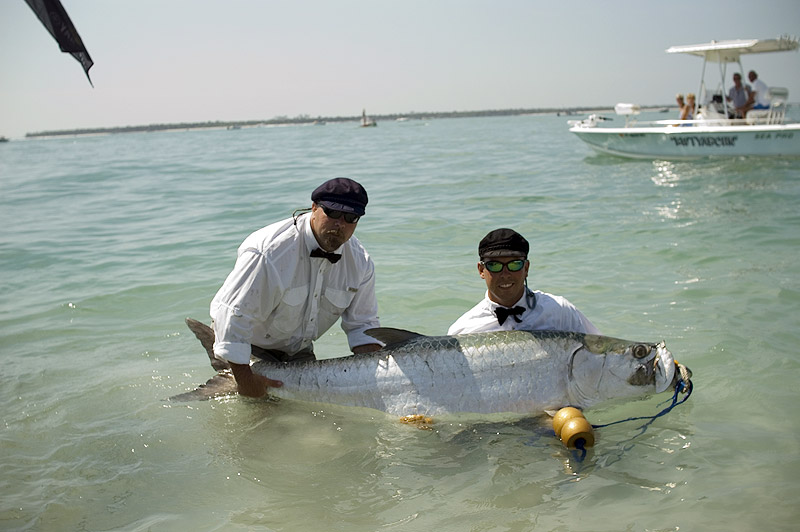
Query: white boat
pixel 711 133
pixel 367 121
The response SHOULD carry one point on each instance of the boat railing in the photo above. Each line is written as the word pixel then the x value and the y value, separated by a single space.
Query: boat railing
pixel 715 121
pixel 768 118
pixel 775 115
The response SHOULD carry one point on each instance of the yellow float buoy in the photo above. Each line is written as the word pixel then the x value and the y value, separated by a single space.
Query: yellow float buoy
pixel 572 428
pixel 577 433
pixel 564 415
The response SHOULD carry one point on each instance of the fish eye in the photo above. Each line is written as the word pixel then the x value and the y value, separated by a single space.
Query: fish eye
pixel 640 351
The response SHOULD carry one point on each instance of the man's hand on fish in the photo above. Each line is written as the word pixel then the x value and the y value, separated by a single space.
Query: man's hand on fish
pixel 251 384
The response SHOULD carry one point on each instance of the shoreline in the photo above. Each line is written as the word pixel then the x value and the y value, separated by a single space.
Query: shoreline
pixel 305 119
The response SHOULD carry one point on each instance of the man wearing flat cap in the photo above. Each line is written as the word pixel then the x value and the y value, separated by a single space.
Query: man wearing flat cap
pixel 509 304
pixel 292 281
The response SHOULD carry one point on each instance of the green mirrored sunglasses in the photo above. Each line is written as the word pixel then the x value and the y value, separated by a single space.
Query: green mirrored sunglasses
pixel 495 266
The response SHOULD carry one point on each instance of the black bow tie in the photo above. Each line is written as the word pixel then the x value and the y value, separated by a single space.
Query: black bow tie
pixel 503 313
pixel 333 257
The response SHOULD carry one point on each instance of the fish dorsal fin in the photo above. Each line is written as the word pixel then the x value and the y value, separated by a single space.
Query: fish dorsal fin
pixel 391 336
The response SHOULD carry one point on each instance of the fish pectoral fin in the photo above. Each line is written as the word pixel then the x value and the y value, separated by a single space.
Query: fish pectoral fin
pixel 222 383
pixel 419 421
pixel 391 336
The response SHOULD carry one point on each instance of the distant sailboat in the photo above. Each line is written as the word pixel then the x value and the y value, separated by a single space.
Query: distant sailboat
pixel 367 121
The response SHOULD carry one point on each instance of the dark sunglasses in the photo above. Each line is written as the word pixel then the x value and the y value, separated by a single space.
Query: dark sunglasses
pixel 349 217
pixel 497 266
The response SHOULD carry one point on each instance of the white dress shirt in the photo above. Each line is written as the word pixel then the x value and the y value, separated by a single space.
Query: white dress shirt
pixel 762 93
pixel 545 312
pixel 278 297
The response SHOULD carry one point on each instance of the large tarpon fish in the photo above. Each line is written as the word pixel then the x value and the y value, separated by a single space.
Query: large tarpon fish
pixel 510 371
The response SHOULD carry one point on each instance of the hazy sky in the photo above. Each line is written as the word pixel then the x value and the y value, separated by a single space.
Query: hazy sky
pixel 164 61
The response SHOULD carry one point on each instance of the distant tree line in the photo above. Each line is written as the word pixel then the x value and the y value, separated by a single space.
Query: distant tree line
pixel 304 119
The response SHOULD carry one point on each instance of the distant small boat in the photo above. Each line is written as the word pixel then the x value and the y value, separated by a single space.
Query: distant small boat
pixel 367 121
pixel 3 139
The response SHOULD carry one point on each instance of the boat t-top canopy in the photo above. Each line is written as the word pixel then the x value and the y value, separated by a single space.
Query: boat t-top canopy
pixel 729 51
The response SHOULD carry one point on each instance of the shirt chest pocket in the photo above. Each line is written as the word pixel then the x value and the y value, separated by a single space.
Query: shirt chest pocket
pixel 288 317
pixel 335 302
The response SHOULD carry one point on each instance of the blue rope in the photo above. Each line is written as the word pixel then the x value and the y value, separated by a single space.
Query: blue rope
pixel 682 387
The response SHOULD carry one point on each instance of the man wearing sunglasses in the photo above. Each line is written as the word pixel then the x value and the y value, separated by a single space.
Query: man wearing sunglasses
pixel 292 281
pixel 509 303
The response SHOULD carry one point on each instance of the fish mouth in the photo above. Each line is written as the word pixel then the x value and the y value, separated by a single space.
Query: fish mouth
pixel 664 366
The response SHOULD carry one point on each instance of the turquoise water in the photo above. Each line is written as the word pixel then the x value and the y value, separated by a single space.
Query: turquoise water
pixel 109 242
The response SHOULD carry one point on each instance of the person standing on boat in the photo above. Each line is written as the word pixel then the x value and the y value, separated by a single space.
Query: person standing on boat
pixel 509 304
pixel 292 281
pixel 681 106
pixel 759 94
pixel 681 103
pixel 738 96
pixel 687 113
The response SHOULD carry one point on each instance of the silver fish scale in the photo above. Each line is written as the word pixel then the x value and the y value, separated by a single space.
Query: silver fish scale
pixel 508 371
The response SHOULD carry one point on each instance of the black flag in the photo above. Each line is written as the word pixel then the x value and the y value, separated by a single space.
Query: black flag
pixel 55 19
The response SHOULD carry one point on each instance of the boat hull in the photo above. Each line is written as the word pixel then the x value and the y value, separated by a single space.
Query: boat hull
pixel 685 143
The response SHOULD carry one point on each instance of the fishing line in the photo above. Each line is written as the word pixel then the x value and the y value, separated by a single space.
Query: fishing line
pixel 684 385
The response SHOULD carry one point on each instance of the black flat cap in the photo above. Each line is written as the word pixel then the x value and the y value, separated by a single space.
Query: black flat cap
pixel 341 194
pixel 503 243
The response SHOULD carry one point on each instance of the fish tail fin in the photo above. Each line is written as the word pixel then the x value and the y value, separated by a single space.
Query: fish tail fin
pixel 223 382
pixel 205 334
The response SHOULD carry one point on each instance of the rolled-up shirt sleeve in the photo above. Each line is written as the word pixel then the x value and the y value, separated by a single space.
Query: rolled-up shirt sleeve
pixel 362 314
pixel 243 300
